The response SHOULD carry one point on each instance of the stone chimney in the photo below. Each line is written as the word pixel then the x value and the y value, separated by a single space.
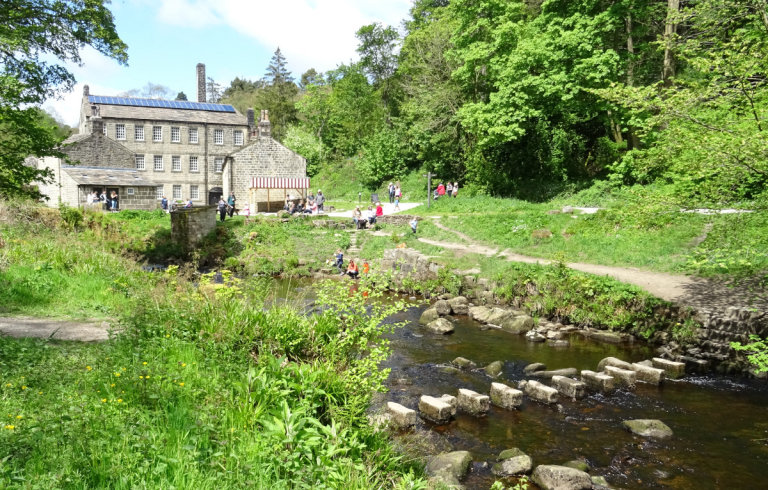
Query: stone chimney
pixel 265 127
pixel 86 90
pixel 200 82
pixel 251 121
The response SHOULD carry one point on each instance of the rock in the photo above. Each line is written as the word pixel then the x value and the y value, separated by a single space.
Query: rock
pixel 518 324
pixel 569 387
pixel 612 361
pixel 463 363
pixel 441 326
pixel 552 477
pixel 486 297
pixel 505 397
pixel 435 409
pixel 570 372
pixel 648 374
pixel 540 393
pixel 577 464
pixel 558 343
pixel 622 377
pixel 442 307
pixel 648 428
pixel 597 381
pixel 493 369
pixel 401 417
pixel 567 209
pixel 608 336
pixel 459 305
pixel 534 336
pixel 429 315
pixel 499 315
pixel 533 367
pixel 671 369
pixel 480 313
pixel 449 468
pixel 599 482
pixel 512 462
pixel 473 403
pixel 541 234
pixel 452 401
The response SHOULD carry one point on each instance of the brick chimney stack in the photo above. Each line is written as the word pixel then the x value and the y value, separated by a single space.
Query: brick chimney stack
pixel 265 127
pixel 200 82
pixel 251 121
pixel 86 90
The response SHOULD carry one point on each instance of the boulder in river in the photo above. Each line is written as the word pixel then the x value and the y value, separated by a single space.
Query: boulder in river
pixel 540 393
pixel 612 361
pixel 533 367
pixel 597 381
pixel 578 464
pixel 449 468
pixel 473 403
pixel 568 372
pixel 569 387
pixel 442 307
pixel 480 313
pixel 499 315
pixel 429 315
pixel 441 326
pixel 518 324
pixel 505 396
pixel 648 428
pixel 463 363
pixel 672 369
pixel 459 305
pixel 494 368
pixel 401 417
pixel 512 462
pixel 552 477
pixel 436 410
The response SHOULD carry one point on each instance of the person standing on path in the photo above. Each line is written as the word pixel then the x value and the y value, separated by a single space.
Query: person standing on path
pixel 319 200
pixel 231 204
pixel 340 261
pixel 391 193
pixel 455 190
pixel 164 204
pixel 222 209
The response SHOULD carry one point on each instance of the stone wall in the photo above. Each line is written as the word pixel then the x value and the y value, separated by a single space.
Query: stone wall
pixel 190 225
pixel 96 150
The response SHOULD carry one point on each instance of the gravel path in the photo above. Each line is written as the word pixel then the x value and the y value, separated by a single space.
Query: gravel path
pixel 51 328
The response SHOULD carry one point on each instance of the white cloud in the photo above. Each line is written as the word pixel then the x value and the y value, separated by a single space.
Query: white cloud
pixel 310 33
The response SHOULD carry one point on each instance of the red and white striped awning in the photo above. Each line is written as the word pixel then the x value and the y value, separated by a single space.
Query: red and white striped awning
pixel 280 183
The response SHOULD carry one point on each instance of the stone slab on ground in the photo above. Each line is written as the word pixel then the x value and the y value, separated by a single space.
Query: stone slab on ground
pixel 672 369
pixel 435 409
pixel 540 392
pixel 569 387
pixel 473 403
pixel 622 377
pixel 49 328
pixel 648 374
pixel 597 381
pixel 400 416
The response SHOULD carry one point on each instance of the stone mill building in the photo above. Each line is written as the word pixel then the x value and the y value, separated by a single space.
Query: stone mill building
pixel 144 149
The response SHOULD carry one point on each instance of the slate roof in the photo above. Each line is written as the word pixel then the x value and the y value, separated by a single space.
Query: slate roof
pixel 106 176
pixel 74 138
pixel 194 116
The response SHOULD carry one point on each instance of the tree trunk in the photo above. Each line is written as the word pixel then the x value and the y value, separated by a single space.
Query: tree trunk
pixel 670 29
pixel 633 140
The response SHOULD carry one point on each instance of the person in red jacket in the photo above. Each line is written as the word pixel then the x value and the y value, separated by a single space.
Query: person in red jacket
pixel 441 190
pixel 379 210
pixel 352 269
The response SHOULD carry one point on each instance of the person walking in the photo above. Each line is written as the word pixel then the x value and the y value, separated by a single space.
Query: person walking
pixel 391 193
pixel 455 191
pixel 222 209
pixel 319 200
pixel 231 204
pixel 164 204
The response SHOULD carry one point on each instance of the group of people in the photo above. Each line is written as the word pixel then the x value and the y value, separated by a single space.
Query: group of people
pixel 108 203
pixel 352 269
pixel 226 207
pixel 450 190
pixel 313 204
pixel 395 194
pixel 361 222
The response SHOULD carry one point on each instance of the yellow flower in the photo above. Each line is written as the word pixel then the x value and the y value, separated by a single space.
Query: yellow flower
pixel 103 400
pixel 123 369
pixel 119 400
pixel 8 385
pixel 88 368
pixel 112 385
pixel 19 417
pixel 181 384
pixel 144 363
pixel 117 375
pixel 183 364
pixel 167 335
pixel 141 377
pixel 39 392
pixel 10 427
pixel 146 377
pixel 23 387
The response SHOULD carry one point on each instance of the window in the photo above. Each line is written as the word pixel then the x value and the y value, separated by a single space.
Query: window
pixel 157 133
pixel 193 164
pixel 177 192
pixel 104 129
pixel 193 135
pixel 140 162
pixel 130 191
pixel 159 192
pixel 238 135
pixel 138 133
pixel 176 163
pixel 120 131
pixel 158 163
pixel 218 164
pixel 218 136
pixel 194 192
pixel 175 135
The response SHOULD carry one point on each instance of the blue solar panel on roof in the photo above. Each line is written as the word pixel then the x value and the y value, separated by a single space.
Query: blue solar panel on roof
pixel 166 104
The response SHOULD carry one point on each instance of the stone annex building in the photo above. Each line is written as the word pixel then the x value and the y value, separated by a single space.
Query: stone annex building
pixel 144 149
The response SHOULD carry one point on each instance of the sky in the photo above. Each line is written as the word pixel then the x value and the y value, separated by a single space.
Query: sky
pixel 234 38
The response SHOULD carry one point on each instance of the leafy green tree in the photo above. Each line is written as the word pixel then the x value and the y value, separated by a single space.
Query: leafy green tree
pixel 377 45
pixel 33 35
pixel 181 96
pixel 310 77
pixel 306 144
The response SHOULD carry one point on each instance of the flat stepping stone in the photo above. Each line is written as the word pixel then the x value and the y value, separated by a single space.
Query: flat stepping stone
pixel 505 396
pixel 540 392
pixel 553 477
pixel 597 381
pixel 648 428
pixel 622 377
pixel 672 369
pixel 473 403
pixel 401 417
pixel 569 387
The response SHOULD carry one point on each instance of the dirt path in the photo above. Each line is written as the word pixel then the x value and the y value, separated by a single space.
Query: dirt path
pixel 51 328
pixel 698 293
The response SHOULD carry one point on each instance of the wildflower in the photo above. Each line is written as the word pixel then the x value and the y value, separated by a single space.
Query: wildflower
pixel 117 375
pixel 23 387
pixel 141 377
pixel 19 417
pixel 183 364
pixel 103 400
pixel 39 392
pixel 112 385
pixel 119 400
pixel 88 368
pixel 123 369
pixel 8 385
pixel 181 384
pixel 144 363
pixel 10 427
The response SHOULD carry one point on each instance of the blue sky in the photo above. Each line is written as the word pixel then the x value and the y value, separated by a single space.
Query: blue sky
pixel 167 38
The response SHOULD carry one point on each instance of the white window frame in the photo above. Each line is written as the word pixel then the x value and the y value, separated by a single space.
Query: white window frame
pixel 175 163
pixel 194 137
pixel 130 191
pixel 138 132
pixel 237 137
pixel 194 192
pixel 175 134
pixel 159 192
pixel 155 161
pixel 120 132
pixel 196 166
pixel 157 134
pixel 141 163
pixel 218 165
pixel 218 136
pixel 176 195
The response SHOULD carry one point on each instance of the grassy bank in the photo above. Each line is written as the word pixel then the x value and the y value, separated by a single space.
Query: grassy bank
pixel 205 387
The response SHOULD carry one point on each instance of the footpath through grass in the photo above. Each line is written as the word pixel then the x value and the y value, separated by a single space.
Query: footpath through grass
pixel 205 387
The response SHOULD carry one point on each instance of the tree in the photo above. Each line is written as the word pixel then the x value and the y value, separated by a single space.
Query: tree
pixel 213 91
pixel 277 71
pixel 376 47
pixel 310 77
pixel 279 95
pixel 32 34
pixel 181 96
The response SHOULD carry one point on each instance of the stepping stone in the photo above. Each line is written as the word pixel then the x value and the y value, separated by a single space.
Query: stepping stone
pixel 612 361
pixel 622 377
pixel 648 374
pixel 569 387
pixel 648 428
pixel 435 409
pixel 597 381
pixel 512 462
pixel 540 393
pixel 400 416
pixel 672 369
pixel 473 403
pixel 552 477
pixel 505 396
